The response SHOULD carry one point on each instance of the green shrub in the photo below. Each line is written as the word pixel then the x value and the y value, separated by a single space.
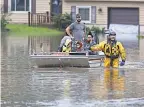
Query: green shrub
pixel 4 19
pixel 103 30
pixel 61 21
pixel 140 36
pixel 96 30
pixel 87 30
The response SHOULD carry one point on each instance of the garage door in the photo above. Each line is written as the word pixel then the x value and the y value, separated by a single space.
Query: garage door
pixel 123 16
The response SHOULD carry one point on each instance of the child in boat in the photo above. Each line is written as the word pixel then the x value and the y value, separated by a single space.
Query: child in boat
pixel 78 46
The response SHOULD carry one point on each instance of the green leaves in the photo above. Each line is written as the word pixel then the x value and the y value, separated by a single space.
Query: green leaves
pixel 96 30
pixel 61 21
pixel 4 19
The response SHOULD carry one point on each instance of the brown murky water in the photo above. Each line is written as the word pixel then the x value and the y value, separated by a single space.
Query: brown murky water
pixel 25 86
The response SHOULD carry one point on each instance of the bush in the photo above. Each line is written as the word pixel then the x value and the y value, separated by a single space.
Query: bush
pixel 4 19
pixel 87 30
pixel 103 30
pixel 140 36
pixel 61 21
pixel 96 30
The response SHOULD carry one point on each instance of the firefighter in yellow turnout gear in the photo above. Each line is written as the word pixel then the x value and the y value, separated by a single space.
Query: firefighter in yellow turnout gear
pixel 112 50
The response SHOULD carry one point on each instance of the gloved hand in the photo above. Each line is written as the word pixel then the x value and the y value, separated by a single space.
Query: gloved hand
pixel 122 63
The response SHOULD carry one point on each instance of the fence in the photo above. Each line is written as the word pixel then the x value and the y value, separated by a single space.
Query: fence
pixel 38 19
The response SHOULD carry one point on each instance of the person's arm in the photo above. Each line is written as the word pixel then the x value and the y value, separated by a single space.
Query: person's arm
pixel 93 42
pixel 69 28
pixel 98 47
pixel 122 51
pixel 84 36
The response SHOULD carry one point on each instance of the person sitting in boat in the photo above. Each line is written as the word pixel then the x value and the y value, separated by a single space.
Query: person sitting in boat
pixel 67 46
pixel 63 41
pixel 78 46
pixel 112 50
pixel 88 43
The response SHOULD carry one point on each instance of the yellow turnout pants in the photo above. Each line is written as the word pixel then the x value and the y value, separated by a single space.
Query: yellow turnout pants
pixel 115 62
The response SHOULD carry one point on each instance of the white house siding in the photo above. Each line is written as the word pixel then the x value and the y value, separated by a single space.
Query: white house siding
pixel 22 17
pixel 141 48
pixel 42 6
pixel 141 18
pixel 1 4
pixel 19 17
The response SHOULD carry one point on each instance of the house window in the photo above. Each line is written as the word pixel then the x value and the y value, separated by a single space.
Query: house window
pixel 85 12
pixel 20 5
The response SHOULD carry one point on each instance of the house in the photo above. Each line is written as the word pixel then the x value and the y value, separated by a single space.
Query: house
pixel 98 12
pixel 19 8
pixel 106 12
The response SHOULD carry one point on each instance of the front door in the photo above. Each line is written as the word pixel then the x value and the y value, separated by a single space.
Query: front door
pixel 56 7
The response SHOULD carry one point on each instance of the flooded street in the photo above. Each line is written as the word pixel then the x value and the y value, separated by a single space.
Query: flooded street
pixel 22 85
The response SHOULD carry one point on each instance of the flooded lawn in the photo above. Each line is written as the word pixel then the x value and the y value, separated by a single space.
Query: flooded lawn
pixel 22 85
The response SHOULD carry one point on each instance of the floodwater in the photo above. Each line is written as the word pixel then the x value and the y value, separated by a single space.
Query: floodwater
pixel 22 85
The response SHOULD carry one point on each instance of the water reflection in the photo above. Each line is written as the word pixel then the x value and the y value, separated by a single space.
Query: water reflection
pixel 43 44
pixel 72 87
pixel 24 86
pixel 108 85
pixel 114 83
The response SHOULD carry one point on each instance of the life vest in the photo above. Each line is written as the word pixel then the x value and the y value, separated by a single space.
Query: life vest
pixel 66 48
pixel 111 51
